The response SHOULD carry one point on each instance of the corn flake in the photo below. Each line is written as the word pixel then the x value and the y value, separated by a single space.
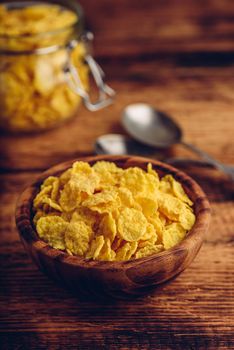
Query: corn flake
pixel 95 247
pixel 171 207
pixel 148 250
pixel 107 227
pixel 175 188
pixel 77 237
pixel 52 229
pixel 187 219
pixel 106 253
pixel 131 225
pixel 126 251
pixel 173 234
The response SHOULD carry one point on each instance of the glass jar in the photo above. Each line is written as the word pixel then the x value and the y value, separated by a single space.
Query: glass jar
pixel 45 65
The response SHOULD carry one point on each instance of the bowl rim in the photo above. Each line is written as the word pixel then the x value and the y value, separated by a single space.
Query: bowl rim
pixel 23 215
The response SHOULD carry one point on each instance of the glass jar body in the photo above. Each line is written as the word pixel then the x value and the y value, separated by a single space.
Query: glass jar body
pixel 34 91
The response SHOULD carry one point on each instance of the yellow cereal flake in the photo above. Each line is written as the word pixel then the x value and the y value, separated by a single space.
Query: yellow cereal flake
pixel 131 225
pixel 70 197
pixel 132 249
pixel 106 253
pixel 107 227
pixel 44 193
pixel 126 251
pixel 77 237
pixel 49 181
pixel 52 229
pixel 165 186
pixel 148 250
pixel 95 247
pixel 65 177
pixel 103 212
pixel 83 214
pixel 83 178
pixel 175 187
pixel 84 183
pixel 138 181
pixel 38 215
pixel 55 189
pixel 173 234
pixel 187 219
pixel 148 205
pixel 150 234
pixel 51 203
pixel 158 224
pixel 103 166
pixel 171 207
pixel 126 197
pixel 102 202
pixel 151 171
pixel 82 168
pixel 109 173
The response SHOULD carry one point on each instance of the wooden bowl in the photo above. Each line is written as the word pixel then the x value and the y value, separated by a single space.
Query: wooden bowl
pixel 114 279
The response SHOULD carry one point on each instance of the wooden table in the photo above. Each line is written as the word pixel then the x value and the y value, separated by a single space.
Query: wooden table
pixel 178 56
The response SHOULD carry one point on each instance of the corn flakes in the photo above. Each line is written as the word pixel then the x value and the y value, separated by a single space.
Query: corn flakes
pixel 34 94
pixel 110 214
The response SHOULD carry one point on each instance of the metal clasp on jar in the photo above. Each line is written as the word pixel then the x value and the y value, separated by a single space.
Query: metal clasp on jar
pixel 106 93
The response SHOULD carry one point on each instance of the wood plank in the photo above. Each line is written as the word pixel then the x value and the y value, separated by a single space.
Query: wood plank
pixel 135 28
pixel 179 57
pixel 201 297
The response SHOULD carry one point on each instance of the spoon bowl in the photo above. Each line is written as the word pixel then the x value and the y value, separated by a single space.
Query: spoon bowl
pixel 149 126
pixel 117 144
pixel 154 128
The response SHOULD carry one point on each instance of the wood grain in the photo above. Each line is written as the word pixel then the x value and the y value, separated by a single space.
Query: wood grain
pixel 36 314
pixel 178 56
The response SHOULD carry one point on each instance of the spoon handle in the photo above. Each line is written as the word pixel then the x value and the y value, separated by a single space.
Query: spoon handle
pixel 217 164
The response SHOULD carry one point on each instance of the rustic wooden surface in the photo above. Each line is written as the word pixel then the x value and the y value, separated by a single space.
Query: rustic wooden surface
pixel 178 56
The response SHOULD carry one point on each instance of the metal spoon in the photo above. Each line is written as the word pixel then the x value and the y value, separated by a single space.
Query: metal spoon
pixel 117 144
pixel 155 128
